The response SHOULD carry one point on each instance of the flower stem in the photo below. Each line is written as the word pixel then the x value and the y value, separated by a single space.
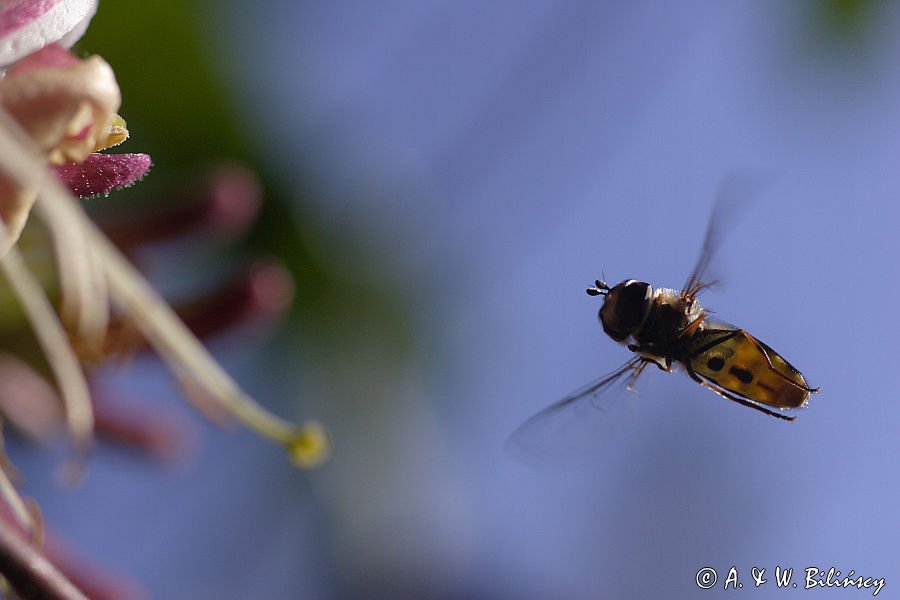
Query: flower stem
pixel 30 573
pixel 190 361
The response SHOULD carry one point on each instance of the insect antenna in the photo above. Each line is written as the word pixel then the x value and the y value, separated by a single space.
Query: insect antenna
pixel 600 288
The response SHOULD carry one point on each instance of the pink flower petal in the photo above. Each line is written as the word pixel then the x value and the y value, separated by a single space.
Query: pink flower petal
pixel 28 25
pixel 102 173
pixel 65 105
pixel 52 55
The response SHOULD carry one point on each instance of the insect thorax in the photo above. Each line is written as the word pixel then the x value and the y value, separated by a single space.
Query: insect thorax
pixel 669 316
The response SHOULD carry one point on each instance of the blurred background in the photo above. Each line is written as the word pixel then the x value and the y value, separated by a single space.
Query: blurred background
pixel 444 179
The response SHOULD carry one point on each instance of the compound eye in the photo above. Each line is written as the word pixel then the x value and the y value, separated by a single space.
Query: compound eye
pixel 625 308
pixel 632 305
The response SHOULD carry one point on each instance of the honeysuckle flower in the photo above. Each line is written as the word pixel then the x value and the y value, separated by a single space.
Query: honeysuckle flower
pixel 66 105
pixel 56 112
pixel 81 298
pixel 220 206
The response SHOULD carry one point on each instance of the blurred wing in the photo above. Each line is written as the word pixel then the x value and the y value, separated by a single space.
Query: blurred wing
pixel 544 433
pixel 732 195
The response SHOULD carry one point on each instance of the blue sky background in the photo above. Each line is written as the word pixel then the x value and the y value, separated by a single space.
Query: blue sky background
pixel 490 161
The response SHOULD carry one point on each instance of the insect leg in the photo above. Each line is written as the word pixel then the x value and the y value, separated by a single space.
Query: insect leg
pixel 761 348
pixel 636 371
pixel 746 403
pixel 694 287
pixel 693 326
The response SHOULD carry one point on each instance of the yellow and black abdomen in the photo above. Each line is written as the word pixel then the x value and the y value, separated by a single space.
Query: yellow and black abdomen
pixel 736 361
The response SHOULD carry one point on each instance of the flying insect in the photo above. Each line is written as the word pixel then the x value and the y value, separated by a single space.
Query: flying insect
pixel 669 328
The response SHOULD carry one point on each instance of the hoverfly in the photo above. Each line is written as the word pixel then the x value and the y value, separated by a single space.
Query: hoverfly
pixel 669 328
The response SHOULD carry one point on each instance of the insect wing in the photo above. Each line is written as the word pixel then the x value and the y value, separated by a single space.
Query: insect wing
pixel 737 362
pixel 731 196
pixel 571 425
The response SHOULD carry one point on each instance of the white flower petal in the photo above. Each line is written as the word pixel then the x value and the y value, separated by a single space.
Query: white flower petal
pixel 29 25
